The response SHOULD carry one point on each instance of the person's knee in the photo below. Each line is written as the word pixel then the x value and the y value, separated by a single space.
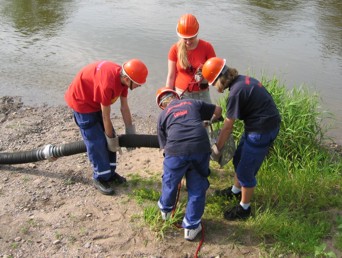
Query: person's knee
pixel 247 181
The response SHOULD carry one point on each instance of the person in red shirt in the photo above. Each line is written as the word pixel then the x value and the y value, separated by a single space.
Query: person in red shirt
pixel 185 60
pixel 90 95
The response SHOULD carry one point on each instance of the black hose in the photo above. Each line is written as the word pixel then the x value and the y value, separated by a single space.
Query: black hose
pixel 50 152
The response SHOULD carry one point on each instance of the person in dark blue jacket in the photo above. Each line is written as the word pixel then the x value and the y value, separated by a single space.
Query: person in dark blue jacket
pixel 249 101
pixel 187 149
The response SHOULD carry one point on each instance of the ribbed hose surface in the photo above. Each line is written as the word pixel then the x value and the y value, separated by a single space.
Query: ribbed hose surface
pixel 48 151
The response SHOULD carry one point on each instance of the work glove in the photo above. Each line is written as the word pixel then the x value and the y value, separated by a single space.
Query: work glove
pixel 113 144
pixel 130 130
pixel 216 154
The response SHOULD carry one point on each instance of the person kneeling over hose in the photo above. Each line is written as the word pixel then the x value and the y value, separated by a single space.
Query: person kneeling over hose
pixel 186 146
pixel 90 95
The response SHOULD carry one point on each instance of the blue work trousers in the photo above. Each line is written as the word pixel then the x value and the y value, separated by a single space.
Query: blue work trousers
pixel 92 130
pixel 249 155
pixel 195 167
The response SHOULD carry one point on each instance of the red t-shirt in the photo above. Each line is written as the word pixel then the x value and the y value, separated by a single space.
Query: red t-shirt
pixel 97 83
pixel 196 57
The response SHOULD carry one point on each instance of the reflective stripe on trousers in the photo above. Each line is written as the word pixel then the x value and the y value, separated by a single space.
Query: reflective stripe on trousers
pixel 92 130
pixel 195 167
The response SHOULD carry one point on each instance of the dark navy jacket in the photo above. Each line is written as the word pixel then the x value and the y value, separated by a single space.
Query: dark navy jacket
pixel 249 101
pixel 180 129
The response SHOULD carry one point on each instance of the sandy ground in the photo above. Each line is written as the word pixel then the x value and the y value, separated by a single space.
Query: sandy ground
pixel 51 209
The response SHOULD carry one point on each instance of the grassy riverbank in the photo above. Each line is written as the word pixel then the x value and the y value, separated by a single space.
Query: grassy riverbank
pixel 297 204
pixel 51 209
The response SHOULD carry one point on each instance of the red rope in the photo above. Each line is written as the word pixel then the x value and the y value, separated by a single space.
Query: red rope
pixel 175 206
pixel 201 242
pixel 180 226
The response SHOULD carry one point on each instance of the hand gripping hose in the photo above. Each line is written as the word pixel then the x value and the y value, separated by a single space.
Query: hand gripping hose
pixel 51 152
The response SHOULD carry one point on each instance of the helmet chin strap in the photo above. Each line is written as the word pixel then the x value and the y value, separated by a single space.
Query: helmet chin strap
pixel 130 85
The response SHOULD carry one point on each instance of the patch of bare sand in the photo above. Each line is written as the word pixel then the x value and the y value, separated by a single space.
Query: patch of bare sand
pixel 51 209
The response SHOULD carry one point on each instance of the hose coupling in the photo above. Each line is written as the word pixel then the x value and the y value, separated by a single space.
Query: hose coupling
pixel 48 154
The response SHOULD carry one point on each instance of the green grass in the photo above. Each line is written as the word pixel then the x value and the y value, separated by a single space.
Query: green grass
pixel 338 243
pixel 299 184
pixel 146 192
pixel 300 181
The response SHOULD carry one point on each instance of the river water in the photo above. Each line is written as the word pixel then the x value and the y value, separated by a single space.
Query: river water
pixel 45 42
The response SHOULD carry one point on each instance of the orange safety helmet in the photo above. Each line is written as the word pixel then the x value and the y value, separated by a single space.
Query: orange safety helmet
pixel 212 68
pixel 163 93
pixel 136 71
pixel 187 26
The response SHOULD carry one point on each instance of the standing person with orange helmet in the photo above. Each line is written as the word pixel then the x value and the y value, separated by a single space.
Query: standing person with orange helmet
pixel 90 95
pixel 187 152
pixel 249 101
pixel 185 60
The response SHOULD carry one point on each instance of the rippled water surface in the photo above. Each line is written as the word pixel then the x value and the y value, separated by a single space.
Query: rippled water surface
pixel 45 42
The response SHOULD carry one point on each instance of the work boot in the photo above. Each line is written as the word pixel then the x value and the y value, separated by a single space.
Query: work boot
pixel 190 234
pixel 103 186
pixel 118 179
pixel 227 192
pixel 165 215
pixel 237 213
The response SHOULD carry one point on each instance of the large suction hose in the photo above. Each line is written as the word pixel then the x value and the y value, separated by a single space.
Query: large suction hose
pixel 50 152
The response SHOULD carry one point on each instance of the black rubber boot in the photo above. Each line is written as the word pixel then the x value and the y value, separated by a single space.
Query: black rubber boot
pixel 104 187
pixel 118 179
pixel 227 192
pixel 237 213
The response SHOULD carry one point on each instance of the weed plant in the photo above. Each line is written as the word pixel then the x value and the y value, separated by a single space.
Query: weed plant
pixel 297 201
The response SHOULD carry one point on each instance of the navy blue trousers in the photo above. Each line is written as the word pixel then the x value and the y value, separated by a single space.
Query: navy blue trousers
pixel 249 155
pixel 195 167
pixel 92 130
